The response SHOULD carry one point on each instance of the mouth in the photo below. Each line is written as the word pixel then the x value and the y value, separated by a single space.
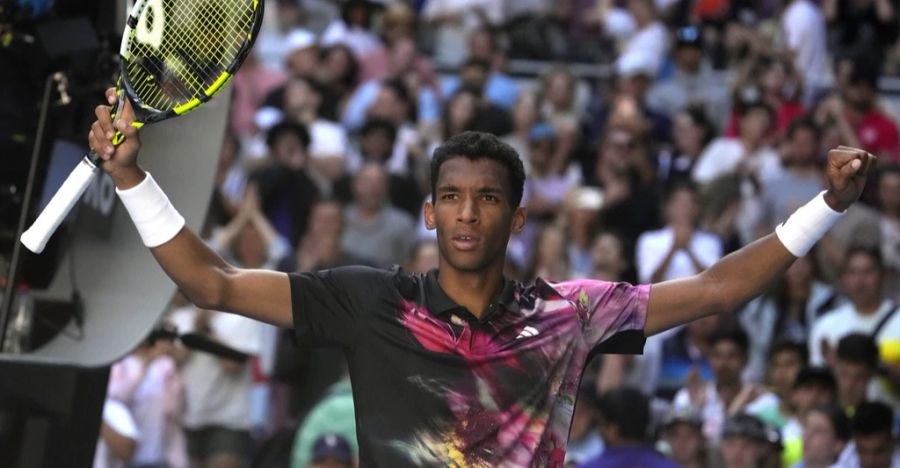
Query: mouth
pixel 465 242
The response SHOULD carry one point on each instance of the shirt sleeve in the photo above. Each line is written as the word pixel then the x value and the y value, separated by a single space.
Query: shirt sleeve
pixel 118 417
pixel 613 314
pixel 329 305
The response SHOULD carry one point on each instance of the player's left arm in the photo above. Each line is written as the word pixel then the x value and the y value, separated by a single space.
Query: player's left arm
pixel 746 273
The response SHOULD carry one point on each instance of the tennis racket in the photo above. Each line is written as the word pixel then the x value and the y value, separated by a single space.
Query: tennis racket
pixel 175 56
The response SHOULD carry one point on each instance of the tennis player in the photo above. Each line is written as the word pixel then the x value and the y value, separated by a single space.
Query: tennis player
pixel 461 366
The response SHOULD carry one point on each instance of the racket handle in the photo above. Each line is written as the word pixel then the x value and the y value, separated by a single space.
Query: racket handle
pixel 36 237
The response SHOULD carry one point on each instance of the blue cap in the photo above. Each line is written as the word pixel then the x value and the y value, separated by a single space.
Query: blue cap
pixel 541 131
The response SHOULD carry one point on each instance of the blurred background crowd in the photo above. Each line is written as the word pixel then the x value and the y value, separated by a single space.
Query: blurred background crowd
pixel 657 135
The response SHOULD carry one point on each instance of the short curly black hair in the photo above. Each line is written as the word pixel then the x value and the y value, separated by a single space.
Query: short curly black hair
pixel 480 145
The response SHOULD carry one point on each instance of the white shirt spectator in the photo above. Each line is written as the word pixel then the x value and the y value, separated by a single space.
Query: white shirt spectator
pixel 804 32
pixel 723 156
pixel 155 404
pixel 214 397
pixel 845 320
pixel 456 20
pixel 117 416
pixel 713 409
pixel 651 42
pixel 653 246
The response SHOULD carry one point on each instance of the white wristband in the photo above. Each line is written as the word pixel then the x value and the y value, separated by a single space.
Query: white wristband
pixel 807 225
pixel 155 218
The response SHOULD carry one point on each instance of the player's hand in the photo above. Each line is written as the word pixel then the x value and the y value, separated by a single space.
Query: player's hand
pixel 120 162
pixel 846 170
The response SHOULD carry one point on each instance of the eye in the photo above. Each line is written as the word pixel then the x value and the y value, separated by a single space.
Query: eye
pixel 449 196
pixel 489 198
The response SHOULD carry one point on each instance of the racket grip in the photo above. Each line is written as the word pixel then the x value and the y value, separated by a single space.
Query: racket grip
pixel 36 237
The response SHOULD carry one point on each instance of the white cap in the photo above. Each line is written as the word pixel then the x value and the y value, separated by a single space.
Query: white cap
pixel 299 39
pixel 266 117
pixel 636 63
pixel 327 140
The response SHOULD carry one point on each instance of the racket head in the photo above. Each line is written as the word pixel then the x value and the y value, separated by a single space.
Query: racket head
pixel 177 54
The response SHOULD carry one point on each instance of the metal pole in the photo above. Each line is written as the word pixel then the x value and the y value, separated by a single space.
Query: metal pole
pixel 24 214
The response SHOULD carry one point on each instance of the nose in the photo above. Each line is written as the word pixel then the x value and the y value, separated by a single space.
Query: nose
pixel 468 211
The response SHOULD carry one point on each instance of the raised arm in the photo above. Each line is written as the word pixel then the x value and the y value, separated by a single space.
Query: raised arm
pixel 746 273
pixel 206 279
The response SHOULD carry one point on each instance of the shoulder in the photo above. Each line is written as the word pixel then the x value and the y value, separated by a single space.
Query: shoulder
pixel 833 317
pixel 355 280
pixel 591 292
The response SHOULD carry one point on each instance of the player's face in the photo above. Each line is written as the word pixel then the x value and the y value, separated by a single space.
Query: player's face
pixel 472 213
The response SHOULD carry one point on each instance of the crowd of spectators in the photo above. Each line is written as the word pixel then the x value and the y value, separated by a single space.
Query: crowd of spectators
pixel 657 135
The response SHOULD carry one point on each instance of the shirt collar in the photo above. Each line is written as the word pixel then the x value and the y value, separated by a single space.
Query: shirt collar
pixel 439 303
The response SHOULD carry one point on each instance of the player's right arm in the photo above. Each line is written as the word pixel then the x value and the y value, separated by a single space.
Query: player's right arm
pixel 200 273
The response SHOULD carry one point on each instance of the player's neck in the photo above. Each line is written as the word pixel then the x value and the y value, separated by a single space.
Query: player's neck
pixel 472 290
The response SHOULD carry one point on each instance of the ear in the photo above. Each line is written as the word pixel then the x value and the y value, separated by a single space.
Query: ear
pixel 429 215
pixel 520 215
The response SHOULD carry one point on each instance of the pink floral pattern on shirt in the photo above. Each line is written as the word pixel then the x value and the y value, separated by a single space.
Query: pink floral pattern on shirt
pixel 517 407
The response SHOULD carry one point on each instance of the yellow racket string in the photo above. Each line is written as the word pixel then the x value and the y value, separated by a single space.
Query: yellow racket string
pixel 200 40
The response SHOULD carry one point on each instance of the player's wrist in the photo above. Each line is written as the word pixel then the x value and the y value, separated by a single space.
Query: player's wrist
pixel 800 232
pixel 127 177
pixel 834 203
pixel 156 220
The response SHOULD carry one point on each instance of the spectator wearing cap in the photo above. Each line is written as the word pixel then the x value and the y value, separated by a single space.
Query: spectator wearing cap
pixel 867 311
pixel 275 40
pixel 683 438
pixel 693 81
pixel 746 442
pixel 826 432
pixel 302 55
pixel 333 415
pixel 332 451
pixel 874 443
pixel 624 422
pixel 727 394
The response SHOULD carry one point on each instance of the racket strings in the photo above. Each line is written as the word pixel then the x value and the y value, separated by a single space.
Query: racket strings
pixel 200 41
